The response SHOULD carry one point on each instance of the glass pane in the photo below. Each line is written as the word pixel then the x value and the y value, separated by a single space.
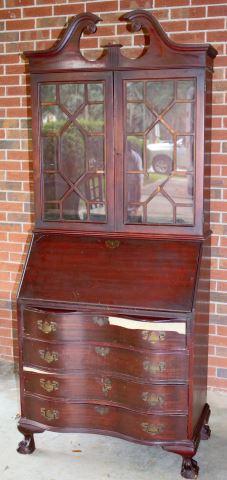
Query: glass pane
pixel 159 210
pixel 185 214
pixel 93 187
pixel 72 95
pixel 185 89
pixel 51 211
pixel 95 92
pixel 74 208
pixel 95 153
pixel 72 162
pixel 134 153
pixel 139 117
pixel 54 186
pixel 135 90
pixel 92 118
pixel 53 119
pixel 48 93
pixel 160 94
pixel 180 188
pixel 185 153
pixel 160 148
pixel 141 186
pixel 135 214
pixel 49 145
pixel 181 117
pixel 98 212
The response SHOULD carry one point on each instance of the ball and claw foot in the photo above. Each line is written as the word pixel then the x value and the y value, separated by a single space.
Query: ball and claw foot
pixel 205 432
pixel 189 468
pixel 26 446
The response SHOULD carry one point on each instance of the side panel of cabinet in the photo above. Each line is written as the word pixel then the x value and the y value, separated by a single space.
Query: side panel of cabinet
pixel 159 144
pixel 73 150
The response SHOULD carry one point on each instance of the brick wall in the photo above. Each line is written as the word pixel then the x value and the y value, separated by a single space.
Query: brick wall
pixel 36 24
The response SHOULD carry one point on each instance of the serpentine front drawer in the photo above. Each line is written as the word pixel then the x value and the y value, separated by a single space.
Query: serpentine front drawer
pixel 106 358
pixel 112 390
pixel 73 326
pixel 112 420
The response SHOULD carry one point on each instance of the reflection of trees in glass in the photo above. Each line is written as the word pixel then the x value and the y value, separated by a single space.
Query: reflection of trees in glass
pixel 135 90
pixel 160 94
pixel 92 118
pixel 50 153
pixel 72 95
pixel 95 92
pixel 48 93
pixel 72 162
pixel 139 117
pixel 53 118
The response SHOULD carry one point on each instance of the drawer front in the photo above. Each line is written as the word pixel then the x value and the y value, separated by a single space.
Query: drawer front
pixel 53 326
pixel 71 356
pixel 111 390
pixel 143 427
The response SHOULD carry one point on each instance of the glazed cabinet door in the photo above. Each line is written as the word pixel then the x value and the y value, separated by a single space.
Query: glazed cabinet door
pixel 159 150
pixel 73 142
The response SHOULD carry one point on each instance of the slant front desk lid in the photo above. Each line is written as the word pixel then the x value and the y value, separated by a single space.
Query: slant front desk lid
pixel 133 274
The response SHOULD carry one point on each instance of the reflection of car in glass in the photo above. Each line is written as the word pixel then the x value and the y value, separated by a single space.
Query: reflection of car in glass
pixel 162 156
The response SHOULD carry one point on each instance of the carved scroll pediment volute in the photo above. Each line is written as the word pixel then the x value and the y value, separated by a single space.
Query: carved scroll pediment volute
pixel 66 53
pixel 160 52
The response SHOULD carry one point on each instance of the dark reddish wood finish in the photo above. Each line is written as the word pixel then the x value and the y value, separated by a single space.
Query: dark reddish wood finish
pixel 109 390
pixel 136 274
pixel 91 376
pixel 105 358
pixel 98 417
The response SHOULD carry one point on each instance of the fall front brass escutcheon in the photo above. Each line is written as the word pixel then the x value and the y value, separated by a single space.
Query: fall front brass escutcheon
pixel 112 244
pixel 46 327
pixel 49 414
pixel 49 357
pixel 49 385
pixel 102 351
pixel 154 367
pixel 152 429
pixel 153 337
pixel 106 385
pixel 152 399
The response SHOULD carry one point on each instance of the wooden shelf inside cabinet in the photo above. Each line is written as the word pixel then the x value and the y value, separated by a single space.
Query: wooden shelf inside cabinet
pixel 116 282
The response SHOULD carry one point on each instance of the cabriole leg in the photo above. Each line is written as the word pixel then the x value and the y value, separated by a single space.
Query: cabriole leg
pixel 27 446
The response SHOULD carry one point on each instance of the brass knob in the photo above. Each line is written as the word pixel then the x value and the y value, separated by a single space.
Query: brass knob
pixel 46 327
pixel 49 414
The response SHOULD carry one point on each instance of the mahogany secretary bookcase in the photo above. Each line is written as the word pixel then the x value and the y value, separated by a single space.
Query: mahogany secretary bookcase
pixel 113 303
